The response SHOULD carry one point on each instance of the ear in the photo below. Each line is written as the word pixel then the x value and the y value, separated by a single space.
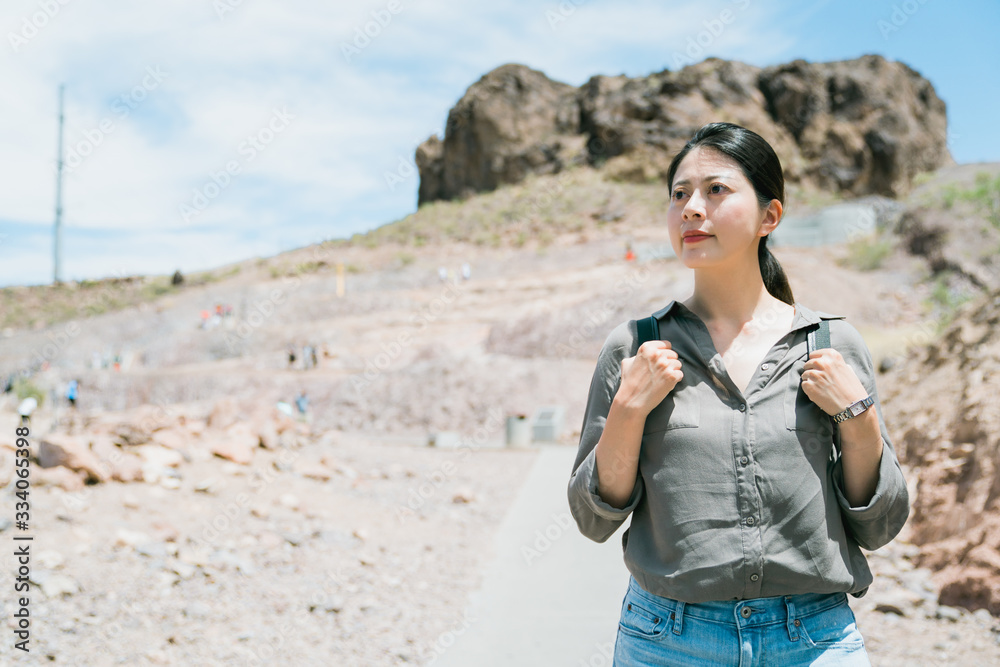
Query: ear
pixel 772 216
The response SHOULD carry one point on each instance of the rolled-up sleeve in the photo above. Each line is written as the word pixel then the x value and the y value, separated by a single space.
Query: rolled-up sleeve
pixel 877 523
pixel 595 518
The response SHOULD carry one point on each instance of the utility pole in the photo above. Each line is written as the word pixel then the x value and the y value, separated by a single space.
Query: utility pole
pixel 59 176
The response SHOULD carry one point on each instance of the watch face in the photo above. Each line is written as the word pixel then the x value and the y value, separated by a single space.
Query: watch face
pixel 857 409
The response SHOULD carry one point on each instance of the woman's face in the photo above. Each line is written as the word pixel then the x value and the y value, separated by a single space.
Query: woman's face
pixel 711 195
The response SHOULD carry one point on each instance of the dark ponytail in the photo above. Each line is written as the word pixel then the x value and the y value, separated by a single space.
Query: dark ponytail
pixel 762 168
pixel 773 275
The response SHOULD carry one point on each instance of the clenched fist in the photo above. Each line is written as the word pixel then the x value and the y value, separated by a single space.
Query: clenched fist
pixel 830 382
pixel 649 376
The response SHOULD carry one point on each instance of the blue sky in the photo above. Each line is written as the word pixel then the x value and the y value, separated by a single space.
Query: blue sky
pixel 254 116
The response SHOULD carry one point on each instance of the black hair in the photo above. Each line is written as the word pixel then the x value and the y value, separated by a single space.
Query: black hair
pixel 762 168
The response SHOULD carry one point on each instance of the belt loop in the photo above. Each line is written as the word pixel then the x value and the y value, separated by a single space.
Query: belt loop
pixel 678 616
pixel 793 632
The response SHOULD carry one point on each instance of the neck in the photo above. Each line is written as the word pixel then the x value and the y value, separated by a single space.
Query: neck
pixel 733 294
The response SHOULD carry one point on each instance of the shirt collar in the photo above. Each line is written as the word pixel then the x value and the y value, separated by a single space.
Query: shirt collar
pixel 804 316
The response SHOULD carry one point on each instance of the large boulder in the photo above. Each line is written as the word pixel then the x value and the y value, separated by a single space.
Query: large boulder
pixel 237 444
pixel 862 126
pixel 59 449
pixel 225 413
pixel 512 122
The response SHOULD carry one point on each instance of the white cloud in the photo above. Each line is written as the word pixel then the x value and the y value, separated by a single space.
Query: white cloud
pixel 353 122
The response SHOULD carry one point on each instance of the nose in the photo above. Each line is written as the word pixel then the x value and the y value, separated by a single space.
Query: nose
pixel 695 207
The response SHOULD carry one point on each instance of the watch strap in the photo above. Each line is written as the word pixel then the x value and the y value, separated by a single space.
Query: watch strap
pixel 848 412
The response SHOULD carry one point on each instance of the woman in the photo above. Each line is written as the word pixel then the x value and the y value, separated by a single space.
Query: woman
pixel 749 500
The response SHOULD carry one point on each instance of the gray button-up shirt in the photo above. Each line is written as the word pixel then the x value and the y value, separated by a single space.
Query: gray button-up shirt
pixel 738 495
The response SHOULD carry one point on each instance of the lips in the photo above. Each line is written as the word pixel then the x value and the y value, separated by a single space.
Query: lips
pixel 695 237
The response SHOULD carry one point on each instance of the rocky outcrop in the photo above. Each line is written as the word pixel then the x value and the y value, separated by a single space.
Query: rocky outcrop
pixel 512 122
pixel 863 126
pixel 944 400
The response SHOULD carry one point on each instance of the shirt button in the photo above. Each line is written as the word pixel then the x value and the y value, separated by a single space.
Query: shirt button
pixel 764 367
pixel 750 520
pixel 743 407
pixel 744 460
pixel 745 612
pixel 754 577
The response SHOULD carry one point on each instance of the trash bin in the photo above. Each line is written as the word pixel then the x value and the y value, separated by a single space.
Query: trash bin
pixel 518 431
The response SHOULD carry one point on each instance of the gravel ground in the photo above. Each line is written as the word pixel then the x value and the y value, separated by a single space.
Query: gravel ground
pixel 265 565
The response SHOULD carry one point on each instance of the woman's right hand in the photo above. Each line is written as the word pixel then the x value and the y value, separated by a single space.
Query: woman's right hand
pixel 649 376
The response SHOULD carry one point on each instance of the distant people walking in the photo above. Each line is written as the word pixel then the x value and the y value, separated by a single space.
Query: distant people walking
pixel 291 356
pixel 312 355
pixel 307 356
pixel 25 409
pixel 466 271
pixel 302 403
pixel 71 390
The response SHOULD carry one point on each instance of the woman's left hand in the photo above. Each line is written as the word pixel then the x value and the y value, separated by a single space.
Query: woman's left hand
pixel 830 382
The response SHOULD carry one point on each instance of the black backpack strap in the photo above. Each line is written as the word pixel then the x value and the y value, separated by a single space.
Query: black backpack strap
pixel 818 338
pixel 649 329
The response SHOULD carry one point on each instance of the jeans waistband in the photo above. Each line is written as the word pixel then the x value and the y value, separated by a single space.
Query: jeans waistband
pixel 756 611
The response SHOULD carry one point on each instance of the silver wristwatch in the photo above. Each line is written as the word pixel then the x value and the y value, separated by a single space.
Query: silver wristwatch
pixel 854 409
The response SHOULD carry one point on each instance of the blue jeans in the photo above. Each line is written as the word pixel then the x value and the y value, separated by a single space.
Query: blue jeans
pixel 807 629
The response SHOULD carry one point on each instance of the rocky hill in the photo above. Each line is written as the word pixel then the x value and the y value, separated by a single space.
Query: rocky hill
pixel 862 126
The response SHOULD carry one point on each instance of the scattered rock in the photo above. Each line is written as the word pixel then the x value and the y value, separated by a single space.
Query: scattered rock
pixel 235 449
pixel 50 559
pixel 947 613
pixel 172 438
pixel 314 471
pixel 61 477
pixel 58 449
pixel 54 585
pixel 463 495
pixel 197 610
pixel 225 413
pixel 206 485
pixel 130 538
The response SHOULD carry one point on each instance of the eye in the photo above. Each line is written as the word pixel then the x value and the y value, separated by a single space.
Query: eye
pixel 677 192
pixel 718 185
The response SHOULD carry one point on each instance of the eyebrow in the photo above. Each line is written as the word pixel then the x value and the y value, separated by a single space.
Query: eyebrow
pixel 707 178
